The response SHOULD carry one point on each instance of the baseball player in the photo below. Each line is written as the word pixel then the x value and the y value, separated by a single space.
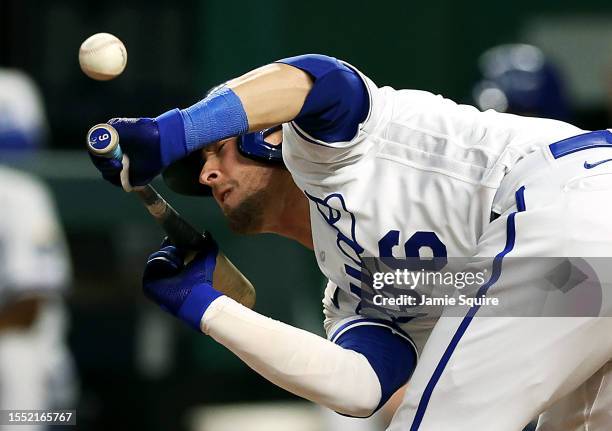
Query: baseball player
pixel 518 78
pixel 310 148
pixel 36 368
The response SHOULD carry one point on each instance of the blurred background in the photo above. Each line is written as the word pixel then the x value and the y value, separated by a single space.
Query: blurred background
pixel 127 365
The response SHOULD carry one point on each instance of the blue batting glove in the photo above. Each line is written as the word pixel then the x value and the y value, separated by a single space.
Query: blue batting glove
pixel 109 167
pixel 185 291
pixel 151 144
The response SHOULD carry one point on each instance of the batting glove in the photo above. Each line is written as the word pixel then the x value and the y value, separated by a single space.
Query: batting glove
pixel 151 145
pixel 185 291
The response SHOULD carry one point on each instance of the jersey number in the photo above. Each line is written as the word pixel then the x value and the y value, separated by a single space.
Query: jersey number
pixel 413 248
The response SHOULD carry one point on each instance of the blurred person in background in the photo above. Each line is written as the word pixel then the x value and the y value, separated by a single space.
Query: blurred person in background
pixel 519 79
pixel 36 370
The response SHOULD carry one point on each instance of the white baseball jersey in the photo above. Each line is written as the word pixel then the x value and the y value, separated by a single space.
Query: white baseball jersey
pixel 36 369
pixel 35 365
pixel 32 245
pixel 419 178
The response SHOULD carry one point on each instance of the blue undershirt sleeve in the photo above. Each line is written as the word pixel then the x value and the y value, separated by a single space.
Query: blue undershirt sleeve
pixel 392 357
pixel 338 101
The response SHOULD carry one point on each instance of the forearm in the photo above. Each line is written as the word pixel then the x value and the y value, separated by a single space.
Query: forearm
pixel 322 95
pixel 355 374
pixel 272 94
pixel 298 361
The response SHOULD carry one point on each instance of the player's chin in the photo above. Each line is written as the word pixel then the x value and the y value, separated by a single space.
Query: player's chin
pixel 245 217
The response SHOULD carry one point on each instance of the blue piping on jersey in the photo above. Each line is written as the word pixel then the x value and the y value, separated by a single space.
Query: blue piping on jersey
pixel 599 138
pixel 496 273
pixel 306 138
pixel 334 215
pixel 358 275
pixel 355 290
pixel 334 298
pixel 378 322
pixel 333 219
pixel 520 199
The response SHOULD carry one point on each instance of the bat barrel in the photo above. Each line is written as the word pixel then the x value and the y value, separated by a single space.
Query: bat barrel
pixel 103 140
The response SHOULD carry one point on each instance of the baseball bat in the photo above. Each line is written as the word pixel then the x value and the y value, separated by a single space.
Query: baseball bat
pixel 103 140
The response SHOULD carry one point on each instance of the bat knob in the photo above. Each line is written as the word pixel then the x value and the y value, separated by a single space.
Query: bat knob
pixel 103 140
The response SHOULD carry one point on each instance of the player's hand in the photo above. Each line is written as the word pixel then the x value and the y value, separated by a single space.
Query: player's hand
pixel 185 291
pixel 151 144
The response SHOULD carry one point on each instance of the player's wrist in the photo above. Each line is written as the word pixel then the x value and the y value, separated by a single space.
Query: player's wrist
pixel 219 115
pixel 171 136
pixel 214 309
pixel 197 303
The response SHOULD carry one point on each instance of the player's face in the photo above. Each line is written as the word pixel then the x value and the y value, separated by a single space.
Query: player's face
pixel 241 186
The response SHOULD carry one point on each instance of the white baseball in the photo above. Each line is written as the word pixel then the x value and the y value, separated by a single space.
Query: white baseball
pixel 102 56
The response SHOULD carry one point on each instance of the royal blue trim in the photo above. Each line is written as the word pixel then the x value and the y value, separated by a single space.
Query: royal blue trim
pixel 599 138
pixel 338 101
pixel 520 199
pixel 354 322
pixel 355 290
pixel 334 298
pixel 358 275
pixel 382 322
pixel 496 273
pixel 392 357
pixel 333 218
pixel 352 272
pixel 306 138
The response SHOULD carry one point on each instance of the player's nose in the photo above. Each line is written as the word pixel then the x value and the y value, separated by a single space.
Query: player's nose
pixel 210 174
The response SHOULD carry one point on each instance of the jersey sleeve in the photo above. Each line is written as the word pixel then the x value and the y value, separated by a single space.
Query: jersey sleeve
pixel 340 315
pixel 392 354
pixel 311 144
pixel 338 101
pixel 32 243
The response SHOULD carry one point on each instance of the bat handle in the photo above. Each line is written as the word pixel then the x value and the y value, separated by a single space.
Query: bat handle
pixel 103 140
pixel 180 232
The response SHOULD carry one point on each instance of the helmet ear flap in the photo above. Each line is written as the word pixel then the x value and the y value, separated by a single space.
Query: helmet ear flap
pixel 183 176
pixel 254 146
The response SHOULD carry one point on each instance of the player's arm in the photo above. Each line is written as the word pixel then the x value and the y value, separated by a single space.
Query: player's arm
pixel 322 95
pixel 354 375
pixel 326 98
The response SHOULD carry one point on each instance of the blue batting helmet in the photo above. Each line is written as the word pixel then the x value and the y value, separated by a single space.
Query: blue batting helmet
pixel 518 79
